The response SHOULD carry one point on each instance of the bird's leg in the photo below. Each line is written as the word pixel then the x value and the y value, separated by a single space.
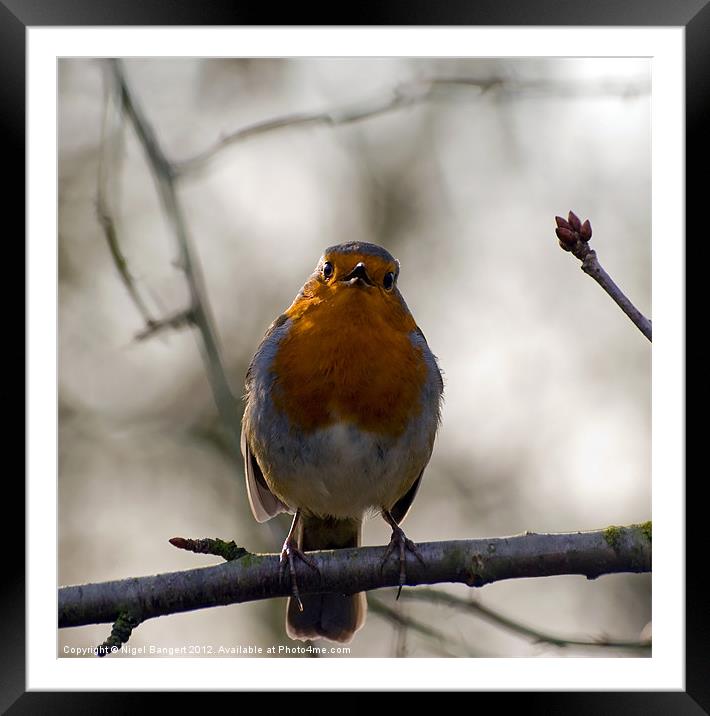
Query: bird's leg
pixel 290 550
pixel 401 543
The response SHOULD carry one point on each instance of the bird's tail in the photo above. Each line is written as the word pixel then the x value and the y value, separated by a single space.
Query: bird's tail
pixel 331 616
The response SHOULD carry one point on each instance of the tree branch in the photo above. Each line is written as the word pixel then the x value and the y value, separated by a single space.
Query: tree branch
pixel 174 322
pixel 406 94
pixel 574 237
pixel 199 311
pixel 434 596
pixel 113 114
pixel 438 641
pixel 253 577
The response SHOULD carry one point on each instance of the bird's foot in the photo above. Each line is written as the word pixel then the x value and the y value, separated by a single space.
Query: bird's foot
pixel 401 543
pixel 289 552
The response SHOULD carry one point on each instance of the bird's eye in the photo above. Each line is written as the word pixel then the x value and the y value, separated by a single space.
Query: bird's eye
pixel 327 269
pixel 388 281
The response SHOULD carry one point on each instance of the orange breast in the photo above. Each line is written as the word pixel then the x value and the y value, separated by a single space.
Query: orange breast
pixel 348 356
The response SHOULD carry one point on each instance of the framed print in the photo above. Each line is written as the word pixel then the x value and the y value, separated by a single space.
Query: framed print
pixel 234 465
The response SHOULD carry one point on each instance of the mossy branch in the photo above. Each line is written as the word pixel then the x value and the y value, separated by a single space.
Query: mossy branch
pixel 253 577
pixel 120 633
pixel 218 547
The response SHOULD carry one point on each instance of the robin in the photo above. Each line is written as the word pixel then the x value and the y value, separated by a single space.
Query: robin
pixel 342 406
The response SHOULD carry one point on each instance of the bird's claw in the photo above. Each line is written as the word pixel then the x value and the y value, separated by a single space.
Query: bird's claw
pixel 289 551
pixel 402 544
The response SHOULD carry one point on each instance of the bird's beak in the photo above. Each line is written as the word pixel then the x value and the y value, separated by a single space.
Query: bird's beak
pixel 358 276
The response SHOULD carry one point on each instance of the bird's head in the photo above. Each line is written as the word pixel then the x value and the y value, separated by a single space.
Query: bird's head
pixel 356 270
pixel 355 280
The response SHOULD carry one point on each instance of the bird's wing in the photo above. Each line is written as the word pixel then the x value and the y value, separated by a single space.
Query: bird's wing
pixel 401 507
pixel 264 504
pixel 439 378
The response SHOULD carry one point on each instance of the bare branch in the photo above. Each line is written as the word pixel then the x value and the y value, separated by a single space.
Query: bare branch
pixel 405 95
pixel 253 577
pixel 175 322
pixel 574 237
pixel 402 96
pixel 434 596
pixel 111 124
pixel 200 312
pixel 404 623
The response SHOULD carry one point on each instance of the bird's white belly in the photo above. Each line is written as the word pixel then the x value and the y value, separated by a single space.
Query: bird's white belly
pixel 344 471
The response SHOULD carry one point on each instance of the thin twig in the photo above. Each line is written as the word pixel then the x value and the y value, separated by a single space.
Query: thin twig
pixel 164 174
pixel 407 94
pixel 403 623
pixel 574 237
pixel 253 577
pixel 403 96
pixel 218 547
pixel 120 633
pixel 175 322
pixel 467 605
pixel 114 115
pixel 401 633
pixel 592 267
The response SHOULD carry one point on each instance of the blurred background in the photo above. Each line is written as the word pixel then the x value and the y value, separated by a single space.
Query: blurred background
pixel 546 420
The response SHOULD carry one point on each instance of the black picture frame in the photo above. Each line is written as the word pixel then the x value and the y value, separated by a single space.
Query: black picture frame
pixel 17 15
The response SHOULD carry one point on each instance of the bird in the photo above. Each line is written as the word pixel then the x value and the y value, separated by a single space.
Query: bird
pixel 342 406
